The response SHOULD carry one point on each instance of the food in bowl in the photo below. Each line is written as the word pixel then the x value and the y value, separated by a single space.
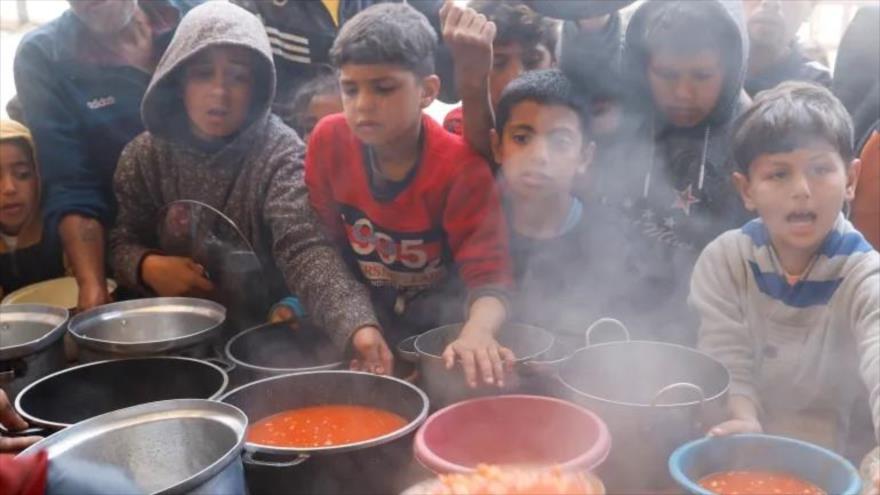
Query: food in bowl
pixel 517 481
pixel 324 426
pixel 757 483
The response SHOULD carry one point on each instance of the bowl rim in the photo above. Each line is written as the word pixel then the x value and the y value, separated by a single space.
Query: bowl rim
pixel 687 483
pixel 598 452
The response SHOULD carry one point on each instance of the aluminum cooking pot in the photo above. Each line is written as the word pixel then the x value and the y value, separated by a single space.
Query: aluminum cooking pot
pixel 371 466
pixel 276 349
pixel 168 447
pixel 653 396
pixel 445 386
pixel 88 390
pixel 31 344
pixel 143 327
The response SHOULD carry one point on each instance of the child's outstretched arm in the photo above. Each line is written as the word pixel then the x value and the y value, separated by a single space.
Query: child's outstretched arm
pixel 717 288
pixel 469 36
pixel 476 347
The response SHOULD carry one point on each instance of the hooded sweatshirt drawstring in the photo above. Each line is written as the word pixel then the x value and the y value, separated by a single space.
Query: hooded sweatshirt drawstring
pixel 647 182
pixel 703 158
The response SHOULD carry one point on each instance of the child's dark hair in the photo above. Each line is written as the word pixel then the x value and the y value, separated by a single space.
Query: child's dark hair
pixel 517 23
pixel 387 33
pixel 544 87
pixel 790 116
pixel 325 82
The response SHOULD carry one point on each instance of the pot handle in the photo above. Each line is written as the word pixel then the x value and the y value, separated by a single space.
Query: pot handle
pixel 249 458
pixel 406 348
pixel 607 322
pixel 222 363
pixel 27 432
pixel 676 386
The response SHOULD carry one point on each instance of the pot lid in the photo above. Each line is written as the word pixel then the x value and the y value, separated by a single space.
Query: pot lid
pixel 29 328
pixel 61 292
pixel 162 447
pixel 149 325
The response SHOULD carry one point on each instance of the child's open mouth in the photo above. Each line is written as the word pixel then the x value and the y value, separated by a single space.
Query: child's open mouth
pixel 801 221
pixel 217 112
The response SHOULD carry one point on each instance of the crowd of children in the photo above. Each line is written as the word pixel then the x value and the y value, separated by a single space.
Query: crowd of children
pixel 637 181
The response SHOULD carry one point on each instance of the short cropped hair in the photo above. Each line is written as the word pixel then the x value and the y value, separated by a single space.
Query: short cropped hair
pixel 544 87
pixel 790 116
pixel 325 82
pixel 516 22
pixel 387 33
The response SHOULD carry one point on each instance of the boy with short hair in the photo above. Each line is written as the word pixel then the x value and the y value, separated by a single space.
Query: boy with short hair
pixel 412 206
pixel 790 302
pixel 26 257
pixel 524 41
pixel 560 245
pixel 211 138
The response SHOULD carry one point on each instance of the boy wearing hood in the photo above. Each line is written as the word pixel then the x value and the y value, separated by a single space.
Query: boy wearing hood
pixel 679 71
pixel 26 257
pixel 210 137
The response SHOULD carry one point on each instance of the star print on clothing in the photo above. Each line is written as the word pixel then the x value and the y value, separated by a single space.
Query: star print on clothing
pixel 685 199
pixel 669 222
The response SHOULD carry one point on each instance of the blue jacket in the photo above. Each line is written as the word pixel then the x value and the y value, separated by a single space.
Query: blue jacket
pixel 82 108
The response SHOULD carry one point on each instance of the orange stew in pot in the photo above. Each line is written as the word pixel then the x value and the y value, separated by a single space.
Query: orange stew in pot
pixel 758 483
pixel 324 426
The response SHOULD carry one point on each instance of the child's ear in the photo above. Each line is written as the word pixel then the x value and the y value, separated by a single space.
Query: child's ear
pixel 741 181
pixel 497 152
pixel 430 90
pixel 588 152
pixel 852 178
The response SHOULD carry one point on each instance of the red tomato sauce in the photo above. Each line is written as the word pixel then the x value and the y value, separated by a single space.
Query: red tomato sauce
pixel 323 426
pixel 757 483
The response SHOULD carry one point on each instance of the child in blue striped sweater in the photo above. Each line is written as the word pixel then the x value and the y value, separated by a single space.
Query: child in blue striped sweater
pixel 790 302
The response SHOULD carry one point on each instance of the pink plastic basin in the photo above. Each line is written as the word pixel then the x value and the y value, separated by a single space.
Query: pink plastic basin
pixel 512 430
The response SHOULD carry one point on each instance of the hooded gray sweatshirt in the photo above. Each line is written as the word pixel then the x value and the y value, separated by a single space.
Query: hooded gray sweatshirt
pixel 256 178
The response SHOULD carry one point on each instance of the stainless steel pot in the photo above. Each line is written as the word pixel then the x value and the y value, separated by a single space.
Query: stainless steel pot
pixel 653 396
pixel 144 327
pixel 276 349
pixel 88 390
pixel 446 387
pixel 168 447
pixel 31 344
pixel 372 466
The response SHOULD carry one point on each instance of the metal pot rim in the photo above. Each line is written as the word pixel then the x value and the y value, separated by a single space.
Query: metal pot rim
pixel 243 364
pixel 113 310
pixel 60 426
pixel 411 425
pixel 227 414
pixel 54 313
pixel 677 347
pixel 520 359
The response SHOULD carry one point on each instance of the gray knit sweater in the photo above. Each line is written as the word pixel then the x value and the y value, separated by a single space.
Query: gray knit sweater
pixel 256 179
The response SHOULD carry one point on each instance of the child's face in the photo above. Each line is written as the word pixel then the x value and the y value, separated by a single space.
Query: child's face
pixel 384 102
pixel 18 188
pixel 773 24
pixel 320 106
pixel 686 87
pixel 541 150
pixel 217 91
pixel 510 60
pixel 798 194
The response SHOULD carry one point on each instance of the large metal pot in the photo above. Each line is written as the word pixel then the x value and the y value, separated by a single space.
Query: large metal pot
pixel 168 447
pixel 145 327
pixel 88 390
pixel 276 349
pixel 653 397
pixel 446 386
pixel 31 344
pixel 373 466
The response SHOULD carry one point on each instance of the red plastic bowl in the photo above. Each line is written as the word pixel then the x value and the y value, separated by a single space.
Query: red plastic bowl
pixel 512 430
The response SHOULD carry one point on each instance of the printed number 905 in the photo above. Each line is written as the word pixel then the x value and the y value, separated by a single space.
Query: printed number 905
pixel 365 240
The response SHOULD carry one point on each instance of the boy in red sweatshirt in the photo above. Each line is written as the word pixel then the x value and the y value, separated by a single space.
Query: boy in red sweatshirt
pixel 414 208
